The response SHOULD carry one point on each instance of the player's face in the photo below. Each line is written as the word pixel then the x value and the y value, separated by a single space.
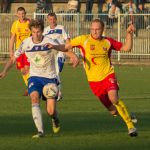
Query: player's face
pixel 52 21
pixel 21 15
pixel 36 34
pixel 96 30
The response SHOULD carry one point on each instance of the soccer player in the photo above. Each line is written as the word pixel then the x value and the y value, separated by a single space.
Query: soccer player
pixel 96 51
pixel 20 31
pixel 59 34
pixel 40 53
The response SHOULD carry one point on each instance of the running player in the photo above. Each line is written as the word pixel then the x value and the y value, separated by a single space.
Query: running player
pixel 19 31
pixel 96 51
pixel 41 55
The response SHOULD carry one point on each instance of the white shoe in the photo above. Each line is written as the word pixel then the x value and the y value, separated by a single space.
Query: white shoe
pixel 133 118
pixel 132 132
pixel 38 135
pixel 59 97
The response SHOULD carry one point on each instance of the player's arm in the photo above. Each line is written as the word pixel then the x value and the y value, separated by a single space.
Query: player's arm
pixel 12 60
pixel 7 67
pixel 60 47
pixel 11 45
pixel 129 39
pixel 73 58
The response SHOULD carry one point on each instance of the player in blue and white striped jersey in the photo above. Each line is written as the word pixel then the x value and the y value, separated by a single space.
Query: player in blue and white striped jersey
pixel 40 51
pixel 59 34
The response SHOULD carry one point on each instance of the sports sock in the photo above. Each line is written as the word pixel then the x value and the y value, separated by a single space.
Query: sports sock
pixel 37 117
pixel 122 110
pixel 25 78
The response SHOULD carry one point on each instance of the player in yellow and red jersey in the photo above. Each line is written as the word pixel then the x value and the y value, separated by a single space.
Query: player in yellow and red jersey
pixel 96 51
pixel 20 31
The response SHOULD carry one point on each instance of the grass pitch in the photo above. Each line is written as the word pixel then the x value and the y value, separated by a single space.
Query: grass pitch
pixel 85 123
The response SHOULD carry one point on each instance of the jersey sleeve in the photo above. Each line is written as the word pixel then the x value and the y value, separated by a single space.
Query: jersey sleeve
pixel 65 34
pixel 13 28
pixel 115 44
pixel 20 50
pixel 60 60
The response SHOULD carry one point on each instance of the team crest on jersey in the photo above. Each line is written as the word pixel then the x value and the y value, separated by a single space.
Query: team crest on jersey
pixel 27 30
pixel 36 48
pixel 105 48
pixel 42 47
pixel 52 31
pixel 92 47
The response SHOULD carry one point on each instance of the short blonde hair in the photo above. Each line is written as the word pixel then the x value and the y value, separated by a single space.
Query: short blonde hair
pixel 97 20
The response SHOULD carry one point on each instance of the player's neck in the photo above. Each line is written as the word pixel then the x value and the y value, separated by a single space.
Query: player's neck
pixel 37 40
pixel 22 20
pixel 99 38
pixel 53 26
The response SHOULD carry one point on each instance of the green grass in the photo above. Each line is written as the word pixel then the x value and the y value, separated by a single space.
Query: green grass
pixel 86 124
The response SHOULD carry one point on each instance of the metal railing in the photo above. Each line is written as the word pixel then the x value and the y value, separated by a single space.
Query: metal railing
pixel 78 24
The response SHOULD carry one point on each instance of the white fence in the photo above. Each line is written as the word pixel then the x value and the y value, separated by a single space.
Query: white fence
pixel 77 24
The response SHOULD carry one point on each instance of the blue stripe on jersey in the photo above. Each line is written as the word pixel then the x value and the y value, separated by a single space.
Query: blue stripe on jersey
pixel 58 31
pixel 36 48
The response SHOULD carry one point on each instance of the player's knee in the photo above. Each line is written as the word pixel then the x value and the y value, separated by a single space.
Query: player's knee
pixel 35 100
pixel 24 71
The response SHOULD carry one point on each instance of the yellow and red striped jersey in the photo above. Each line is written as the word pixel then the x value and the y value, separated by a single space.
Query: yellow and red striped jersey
pixel 96 55
pixel 21 30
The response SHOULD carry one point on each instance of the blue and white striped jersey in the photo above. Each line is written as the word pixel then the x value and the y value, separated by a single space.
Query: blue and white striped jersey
pixel 41 58
pixel 58 33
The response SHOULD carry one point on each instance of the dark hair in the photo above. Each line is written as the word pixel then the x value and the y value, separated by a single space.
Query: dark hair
pixel 21 9
pixel 36 23
pixel 98 21
pixel 52 14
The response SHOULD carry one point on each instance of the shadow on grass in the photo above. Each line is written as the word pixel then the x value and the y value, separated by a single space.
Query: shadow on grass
pixel 74 123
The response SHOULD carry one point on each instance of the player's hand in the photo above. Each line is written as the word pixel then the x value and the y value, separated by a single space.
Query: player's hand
pixel 2 75
pixel 74 60
pixel 130 29
pixel 48 45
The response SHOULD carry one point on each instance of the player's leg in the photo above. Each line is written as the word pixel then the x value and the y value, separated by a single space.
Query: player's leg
pixel 35 90
pixel 112 109
pixel 112 90
pixel 24 71
pixel 122 110
pixel 51 110
pixel 25 75
pixel 59 97
pixel 59 64
pixel 108 104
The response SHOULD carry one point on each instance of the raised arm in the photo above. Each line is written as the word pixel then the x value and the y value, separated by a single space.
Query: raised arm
pixel 127 46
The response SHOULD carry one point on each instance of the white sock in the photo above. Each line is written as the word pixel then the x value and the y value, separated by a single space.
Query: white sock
pixel 37 117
